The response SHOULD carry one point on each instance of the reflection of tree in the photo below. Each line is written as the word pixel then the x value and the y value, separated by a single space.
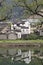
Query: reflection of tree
pixel 7 52
pixel 41 61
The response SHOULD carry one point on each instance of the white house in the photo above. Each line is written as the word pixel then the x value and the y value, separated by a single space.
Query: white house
pixel 18 32
pixel 21 28
pixel 25 28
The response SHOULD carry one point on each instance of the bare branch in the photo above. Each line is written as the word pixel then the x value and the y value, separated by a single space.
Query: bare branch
pixel 34 12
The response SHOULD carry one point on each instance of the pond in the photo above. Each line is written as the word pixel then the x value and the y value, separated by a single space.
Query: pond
pixel 4 61
pixel 12 51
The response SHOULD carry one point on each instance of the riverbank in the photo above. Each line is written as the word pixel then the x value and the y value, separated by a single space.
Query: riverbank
pixel 21 41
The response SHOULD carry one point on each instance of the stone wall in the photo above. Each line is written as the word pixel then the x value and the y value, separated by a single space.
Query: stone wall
pixel 3 36
pixel 8 36
pixel 12 36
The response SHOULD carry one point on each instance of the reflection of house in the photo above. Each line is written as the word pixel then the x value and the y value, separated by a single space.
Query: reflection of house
pixel 24 56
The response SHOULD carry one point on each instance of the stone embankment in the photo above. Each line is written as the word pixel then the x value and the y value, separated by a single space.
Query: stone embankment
pixel 12 45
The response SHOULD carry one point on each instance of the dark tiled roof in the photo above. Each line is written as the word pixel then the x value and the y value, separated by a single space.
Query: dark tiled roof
pixel 18 30
pixel 24 27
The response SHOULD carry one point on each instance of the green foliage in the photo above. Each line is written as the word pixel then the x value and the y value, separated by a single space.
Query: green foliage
pixel 32 37
pixel 6 8
pixel 36 51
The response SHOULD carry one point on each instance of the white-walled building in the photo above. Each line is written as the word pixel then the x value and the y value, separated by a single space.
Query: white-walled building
pixel 20 29
pixel 18 32
pixel 23 27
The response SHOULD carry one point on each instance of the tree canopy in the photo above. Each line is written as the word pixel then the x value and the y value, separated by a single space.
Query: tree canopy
pixel 33 7
pixel 30 7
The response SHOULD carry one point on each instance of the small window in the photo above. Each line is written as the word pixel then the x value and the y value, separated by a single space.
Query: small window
pixel 26 30
pixel 22 30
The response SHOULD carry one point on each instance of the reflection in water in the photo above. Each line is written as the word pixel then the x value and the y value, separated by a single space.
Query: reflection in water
pixel 22 56
pixel 13 56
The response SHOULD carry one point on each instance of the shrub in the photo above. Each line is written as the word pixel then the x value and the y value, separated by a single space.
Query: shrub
pixel 32 37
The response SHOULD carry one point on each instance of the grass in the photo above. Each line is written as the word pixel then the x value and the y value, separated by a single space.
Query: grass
pixel 21 41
